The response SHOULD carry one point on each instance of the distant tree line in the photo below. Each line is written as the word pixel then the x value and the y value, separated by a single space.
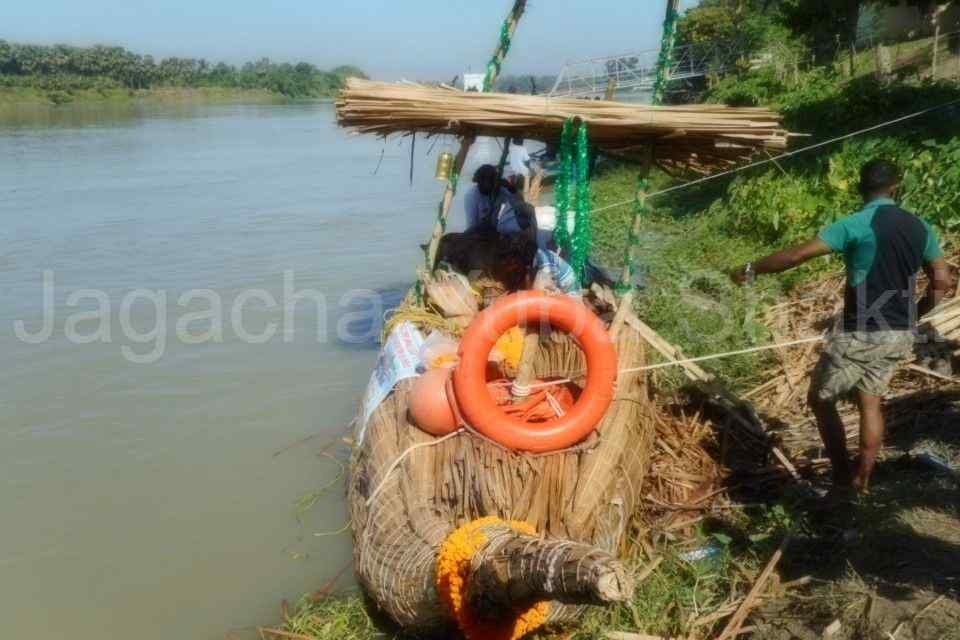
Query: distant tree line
pixel 63 67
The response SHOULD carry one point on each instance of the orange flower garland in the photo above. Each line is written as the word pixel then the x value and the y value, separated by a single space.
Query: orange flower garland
pixel 453 567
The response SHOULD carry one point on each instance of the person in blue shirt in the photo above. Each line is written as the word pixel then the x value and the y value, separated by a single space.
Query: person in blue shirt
pixel 491 206
pixel 884 247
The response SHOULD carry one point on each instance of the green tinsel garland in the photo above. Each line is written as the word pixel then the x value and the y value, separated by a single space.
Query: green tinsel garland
pixel 494 66
pixel 582 236
pixel 633 238
pixel 454 183
pixel 562 188
pixel 666 55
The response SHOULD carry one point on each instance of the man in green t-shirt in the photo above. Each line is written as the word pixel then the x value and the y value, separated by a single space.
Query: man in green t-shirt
pixel 884 247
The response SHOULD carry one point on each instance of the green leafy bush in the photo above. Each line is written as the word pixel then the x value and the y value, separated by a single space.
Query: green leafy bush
pixel 749 90
pixel 782 207
pixel 751 24
pixel 822 103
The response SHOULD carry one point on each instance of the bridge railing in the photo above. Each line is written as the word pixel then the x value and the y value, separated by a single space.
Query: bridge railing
pixel 637 70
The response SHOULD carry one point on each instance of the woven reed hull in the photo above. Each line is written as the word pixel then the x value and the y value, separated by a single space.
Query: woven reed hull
pixel 587 494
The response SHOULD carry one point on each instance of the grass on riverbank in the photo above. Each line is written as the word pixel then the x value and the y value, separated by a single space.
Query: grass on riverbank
pixel 685 258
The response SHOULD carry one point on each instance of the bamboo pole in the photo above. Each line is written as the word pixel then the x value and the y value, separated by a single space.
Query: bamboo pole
pixel 611 90
pixel 500 53
pixel 626 280
pixel 525 371
pixel 519 6
pixel 936 42
pixel 938 10
pixel 666 54
pixel 736 622
pixel 449 192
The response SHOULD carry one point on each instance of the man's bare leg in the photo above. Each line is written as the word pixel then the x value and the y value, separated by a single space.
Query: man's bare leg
pixel 834 438
pixel 871 437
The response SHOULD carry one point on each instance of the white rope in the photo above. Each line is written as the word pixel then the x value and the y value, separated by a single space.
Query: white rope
pixel 713 356
pixel 559 410
pixel 725 354
pixel 774 159
pixel 408 451
pixel 518 390
pixel 555 405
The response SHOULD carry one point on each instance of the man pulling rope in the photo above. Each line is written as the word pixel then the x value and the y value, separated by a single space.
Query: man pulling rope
pixel 883 247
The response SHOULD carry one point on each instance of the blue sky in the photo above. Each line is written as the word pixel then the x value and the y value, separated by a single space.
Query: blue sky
pixel 423 39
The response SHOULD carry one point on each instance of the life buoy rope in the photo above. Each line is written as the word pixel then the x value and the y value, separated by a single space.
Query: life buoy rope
pixel 477 408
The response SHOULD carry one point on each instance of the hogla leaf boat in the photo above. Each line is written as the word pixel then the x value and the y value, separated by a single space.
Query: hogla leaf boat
pixel 500 473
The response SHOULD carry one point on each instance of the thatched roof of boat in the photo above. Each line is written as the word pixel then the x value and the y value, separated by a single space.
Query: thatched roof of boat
pixel 698 137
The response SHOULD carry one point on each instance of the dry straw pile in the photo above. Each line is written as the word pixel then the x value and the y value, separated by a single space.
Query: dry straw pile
pixel 695 137
pixel 814 310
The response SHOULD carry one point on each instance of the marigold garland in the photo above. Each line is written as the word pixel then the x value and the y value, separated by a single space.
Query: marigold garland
pixel 453 569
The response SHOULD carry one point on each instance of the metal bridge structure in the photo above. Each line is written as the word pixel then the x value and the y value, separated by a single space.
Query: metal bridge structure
pixel 637 71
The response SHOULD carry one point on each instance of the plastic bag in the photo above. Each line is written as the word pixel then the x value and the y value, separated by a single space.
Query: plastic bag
pixel 439 351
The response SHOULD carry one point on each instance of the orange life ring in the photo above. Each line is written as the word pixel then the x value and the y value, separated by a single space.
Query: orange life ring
pixel 480 410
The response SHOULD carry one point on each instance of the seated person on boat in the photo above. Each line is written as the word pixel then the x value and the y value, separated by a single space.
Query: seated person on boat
pixel 491 206
pixel 512 260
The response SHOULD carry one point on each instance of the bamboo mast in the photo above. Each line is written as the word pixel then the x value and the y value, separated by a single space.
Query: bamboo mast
pixel 667 42
pixel 493 70
pixel 633 241
pixel 663 69
pixel 938 10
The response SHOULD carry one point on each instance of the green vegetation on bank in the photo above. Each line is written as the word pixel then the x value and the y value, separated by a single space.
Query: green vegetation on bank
pixel 695 236
pixel 62 73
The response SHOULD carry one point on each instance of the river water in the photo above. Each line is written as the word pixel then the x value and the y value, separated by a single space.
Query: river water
pixel 185 291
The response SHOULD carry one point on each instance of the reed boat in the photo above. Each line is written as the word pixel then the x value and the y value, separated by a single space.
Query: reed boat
pixel 529 502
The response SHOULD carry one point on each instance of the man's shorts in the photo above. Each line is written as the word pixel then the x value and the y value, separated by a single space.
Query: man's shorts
pixel 864 360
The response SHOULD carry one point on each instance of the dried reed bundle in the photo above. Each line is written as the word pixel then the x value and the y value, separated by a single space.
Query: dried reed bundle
pixel 696 137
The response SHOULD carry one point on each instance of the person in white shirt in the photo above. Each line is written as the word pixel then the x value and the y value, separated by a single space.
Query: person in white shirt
pixel 492 207
pixel 518 165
